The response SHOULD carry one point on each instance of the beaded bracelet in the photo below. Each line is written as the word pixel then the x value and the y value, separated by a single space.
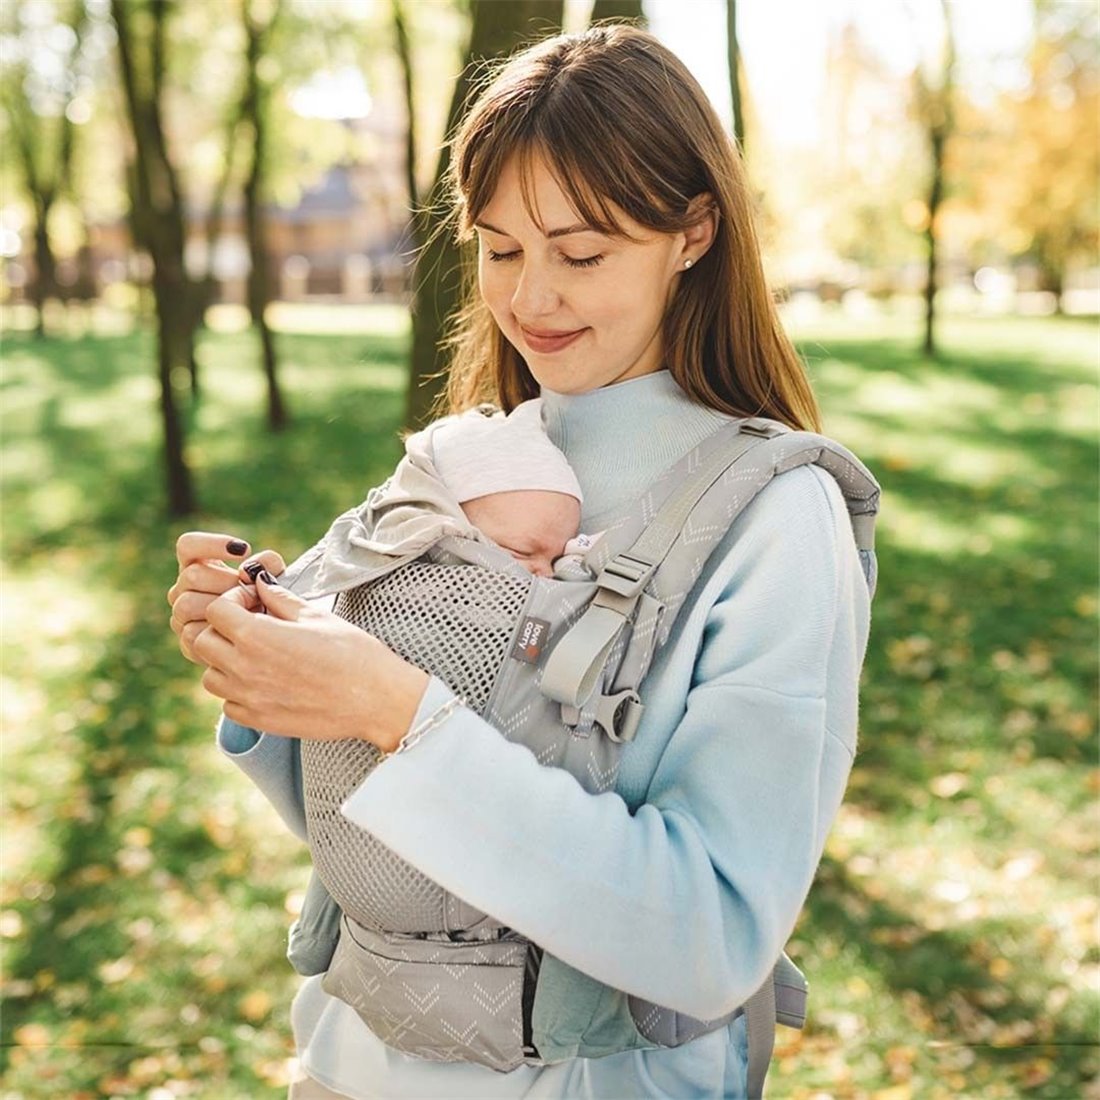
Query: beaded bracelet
pixel 433 721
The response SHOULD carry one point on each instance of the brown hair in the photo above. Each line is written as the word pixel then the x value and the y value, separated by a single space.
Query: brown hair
pixel 622 123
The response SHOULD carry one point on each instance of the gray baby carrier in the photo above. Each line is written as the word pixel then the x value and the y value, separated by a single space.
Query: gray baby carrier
pixel 556 665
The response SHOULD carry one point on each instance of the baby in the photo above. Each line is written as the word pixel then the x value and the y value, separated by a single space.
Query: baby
pixel 512 483
pixel 518 490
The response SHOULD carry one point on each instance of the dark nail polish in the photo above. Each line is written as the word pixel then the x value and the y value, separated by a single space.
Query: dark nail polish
pixel 236 547
pixel 253 569
pixel 266 577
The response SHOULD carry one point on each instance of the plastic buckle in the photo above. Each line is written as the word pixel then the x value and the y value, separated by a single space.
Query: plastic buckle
pixel 618 715
pixel 755 427
pixel 625 575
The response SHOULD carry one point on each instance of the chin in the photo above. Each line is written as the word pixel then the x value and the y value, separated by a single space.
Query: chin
pixel 547 381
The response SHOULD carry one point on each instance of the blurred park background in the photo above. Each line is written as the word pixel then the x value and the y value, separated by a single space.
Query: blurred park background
pixel 213 317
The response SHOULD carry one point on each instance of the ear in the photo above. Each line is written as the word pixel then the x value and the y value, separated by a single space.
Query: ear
pixel 700 234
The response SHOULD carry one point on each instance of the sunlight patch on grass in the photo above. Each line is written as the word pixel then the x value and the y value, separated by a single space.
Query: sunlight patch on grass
pixel 227 317
pixel 49 616
pixel 361 378
pixel 931 396
pixel 381 319
pixel 984 464
pixel 1076 410
pixel 53 505
pixel 931 530
pixel 114 409
pixel 26 460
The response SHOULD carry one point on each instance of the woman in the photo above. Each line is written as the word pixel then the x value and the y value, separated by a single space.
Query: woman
pixel 618 276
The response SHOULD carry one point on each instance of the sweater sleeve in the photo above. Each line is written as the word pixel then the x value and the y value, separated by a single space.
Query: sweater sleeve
pixel 688 900
pixel 274 764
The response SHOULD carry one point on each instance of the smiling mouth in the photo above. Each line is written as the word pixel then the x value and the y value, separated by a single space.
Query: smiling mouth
pixel 550 341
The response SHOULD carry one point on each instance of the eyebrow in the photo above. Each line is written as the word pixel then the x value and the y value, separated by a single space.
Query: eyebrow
pixel 565 231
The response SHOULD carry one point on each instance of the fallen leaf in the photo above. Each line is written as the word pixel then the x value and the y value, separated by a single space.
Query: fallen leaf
pixel 32 1035
pixel 255 1006
pixel 949 784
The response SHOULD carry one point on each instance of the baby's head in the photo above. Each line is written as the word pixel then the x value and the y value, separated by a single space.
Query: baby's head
pixel 514 485
pixel 533 525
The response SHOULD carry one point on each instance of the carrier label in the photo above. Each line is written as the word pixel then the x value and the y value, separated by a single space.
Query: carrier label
pixel 532 637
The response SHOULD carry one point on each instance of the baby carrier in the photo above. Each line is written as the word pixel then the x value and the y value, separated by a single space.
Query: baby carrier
pixel 555 664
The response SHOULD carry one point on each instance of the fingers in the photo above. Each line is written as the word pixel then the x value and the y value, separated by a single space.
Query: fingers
pixel 280 603
pixel 190 607
pixel 187 637
pixel 203 576
pixel 240 597
pixel 263 559
pixel 201 545
pixel 232 612
pixel 214 681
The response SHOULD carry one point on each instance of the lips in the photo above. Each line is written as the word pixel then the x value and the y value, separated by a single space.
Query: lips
pixel 548 342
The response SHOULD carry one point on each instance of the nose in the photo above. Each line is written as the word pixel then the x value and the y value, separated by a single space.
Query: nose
pixel 535 295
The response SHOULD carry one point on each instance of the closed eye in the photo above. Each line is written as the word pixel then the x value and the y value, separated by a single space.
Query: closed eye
pixel 586 261
pixel 569 261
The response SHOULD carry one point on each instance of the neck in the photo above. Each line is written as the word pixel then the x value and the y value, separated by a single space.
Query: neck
pixel 619 438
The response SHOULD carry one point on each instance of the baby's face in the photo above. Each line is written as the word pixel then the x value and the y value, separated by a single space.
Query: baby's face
pixel 533 525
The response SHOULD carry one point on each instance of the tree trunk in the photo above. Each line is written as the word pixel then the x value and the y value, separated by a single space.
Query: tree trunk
pixel 940 107
pixel 1051 275
pixel 404 56
pixel 620 11
pixel 931 281
pixel 254 111
pixel 41 194
pixel 43 187
pixel 215 219
pixel 174 346
pixel 157 219
pixel 497 29
pixel 44 282
pixel 733 54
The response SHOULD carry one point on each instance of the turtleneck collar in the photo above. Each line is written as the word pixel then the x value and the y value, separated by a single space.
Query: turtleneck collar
pixel 619 438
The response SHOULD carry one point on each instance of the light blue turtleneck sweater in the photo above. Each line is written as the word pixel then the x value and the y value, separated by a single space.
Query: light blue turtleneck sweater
pixel 683 885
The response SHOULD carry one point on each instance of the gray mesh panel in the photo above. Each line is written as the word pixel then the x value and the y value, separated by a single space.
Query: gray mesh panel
pixel 455 621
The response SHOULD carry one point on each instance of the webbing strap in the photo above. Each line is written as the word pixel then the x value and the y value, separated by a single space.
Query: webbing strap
pixel 571 671
pixel 656 540
pixel 863 528
pixel 573 667
pixel 760 1028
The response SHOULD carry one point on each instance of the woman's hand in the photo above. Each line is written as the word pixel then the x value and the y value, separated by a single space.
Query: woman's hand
pixel 203 577
pixel 300 671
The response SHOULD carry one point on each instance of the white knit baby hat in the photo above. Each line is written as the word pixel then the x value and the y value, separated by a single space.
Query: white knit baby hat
pixel 476 454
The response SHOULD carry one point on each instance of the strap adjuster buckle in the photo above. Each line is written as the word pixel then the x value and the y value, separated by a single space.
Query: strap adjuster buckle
pixel 626 575
pixel 756 427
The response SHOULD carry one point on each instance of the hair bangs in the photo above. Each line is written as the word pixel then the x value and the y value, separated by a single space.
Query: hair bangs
pixel 593 207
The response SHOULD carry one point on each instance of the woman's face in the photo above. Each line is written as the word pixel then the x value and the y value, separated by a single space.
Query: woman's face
pixel 582 308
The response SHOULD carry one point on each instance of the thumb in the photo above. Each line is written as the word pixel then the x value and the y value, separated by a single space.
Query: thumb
pixel 279 602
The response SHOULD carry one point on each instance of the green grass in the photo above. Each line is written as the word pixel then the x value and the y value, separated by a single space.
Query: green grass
pixel 951 937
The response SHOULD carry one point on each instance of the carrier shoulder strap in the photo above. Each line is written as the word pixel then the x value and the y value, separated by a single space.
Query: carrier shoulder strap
pixel 723 476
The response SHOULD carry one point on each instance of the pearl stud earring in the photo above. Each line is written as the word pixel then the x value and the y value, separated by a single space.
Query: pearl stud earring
pixel 688 263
